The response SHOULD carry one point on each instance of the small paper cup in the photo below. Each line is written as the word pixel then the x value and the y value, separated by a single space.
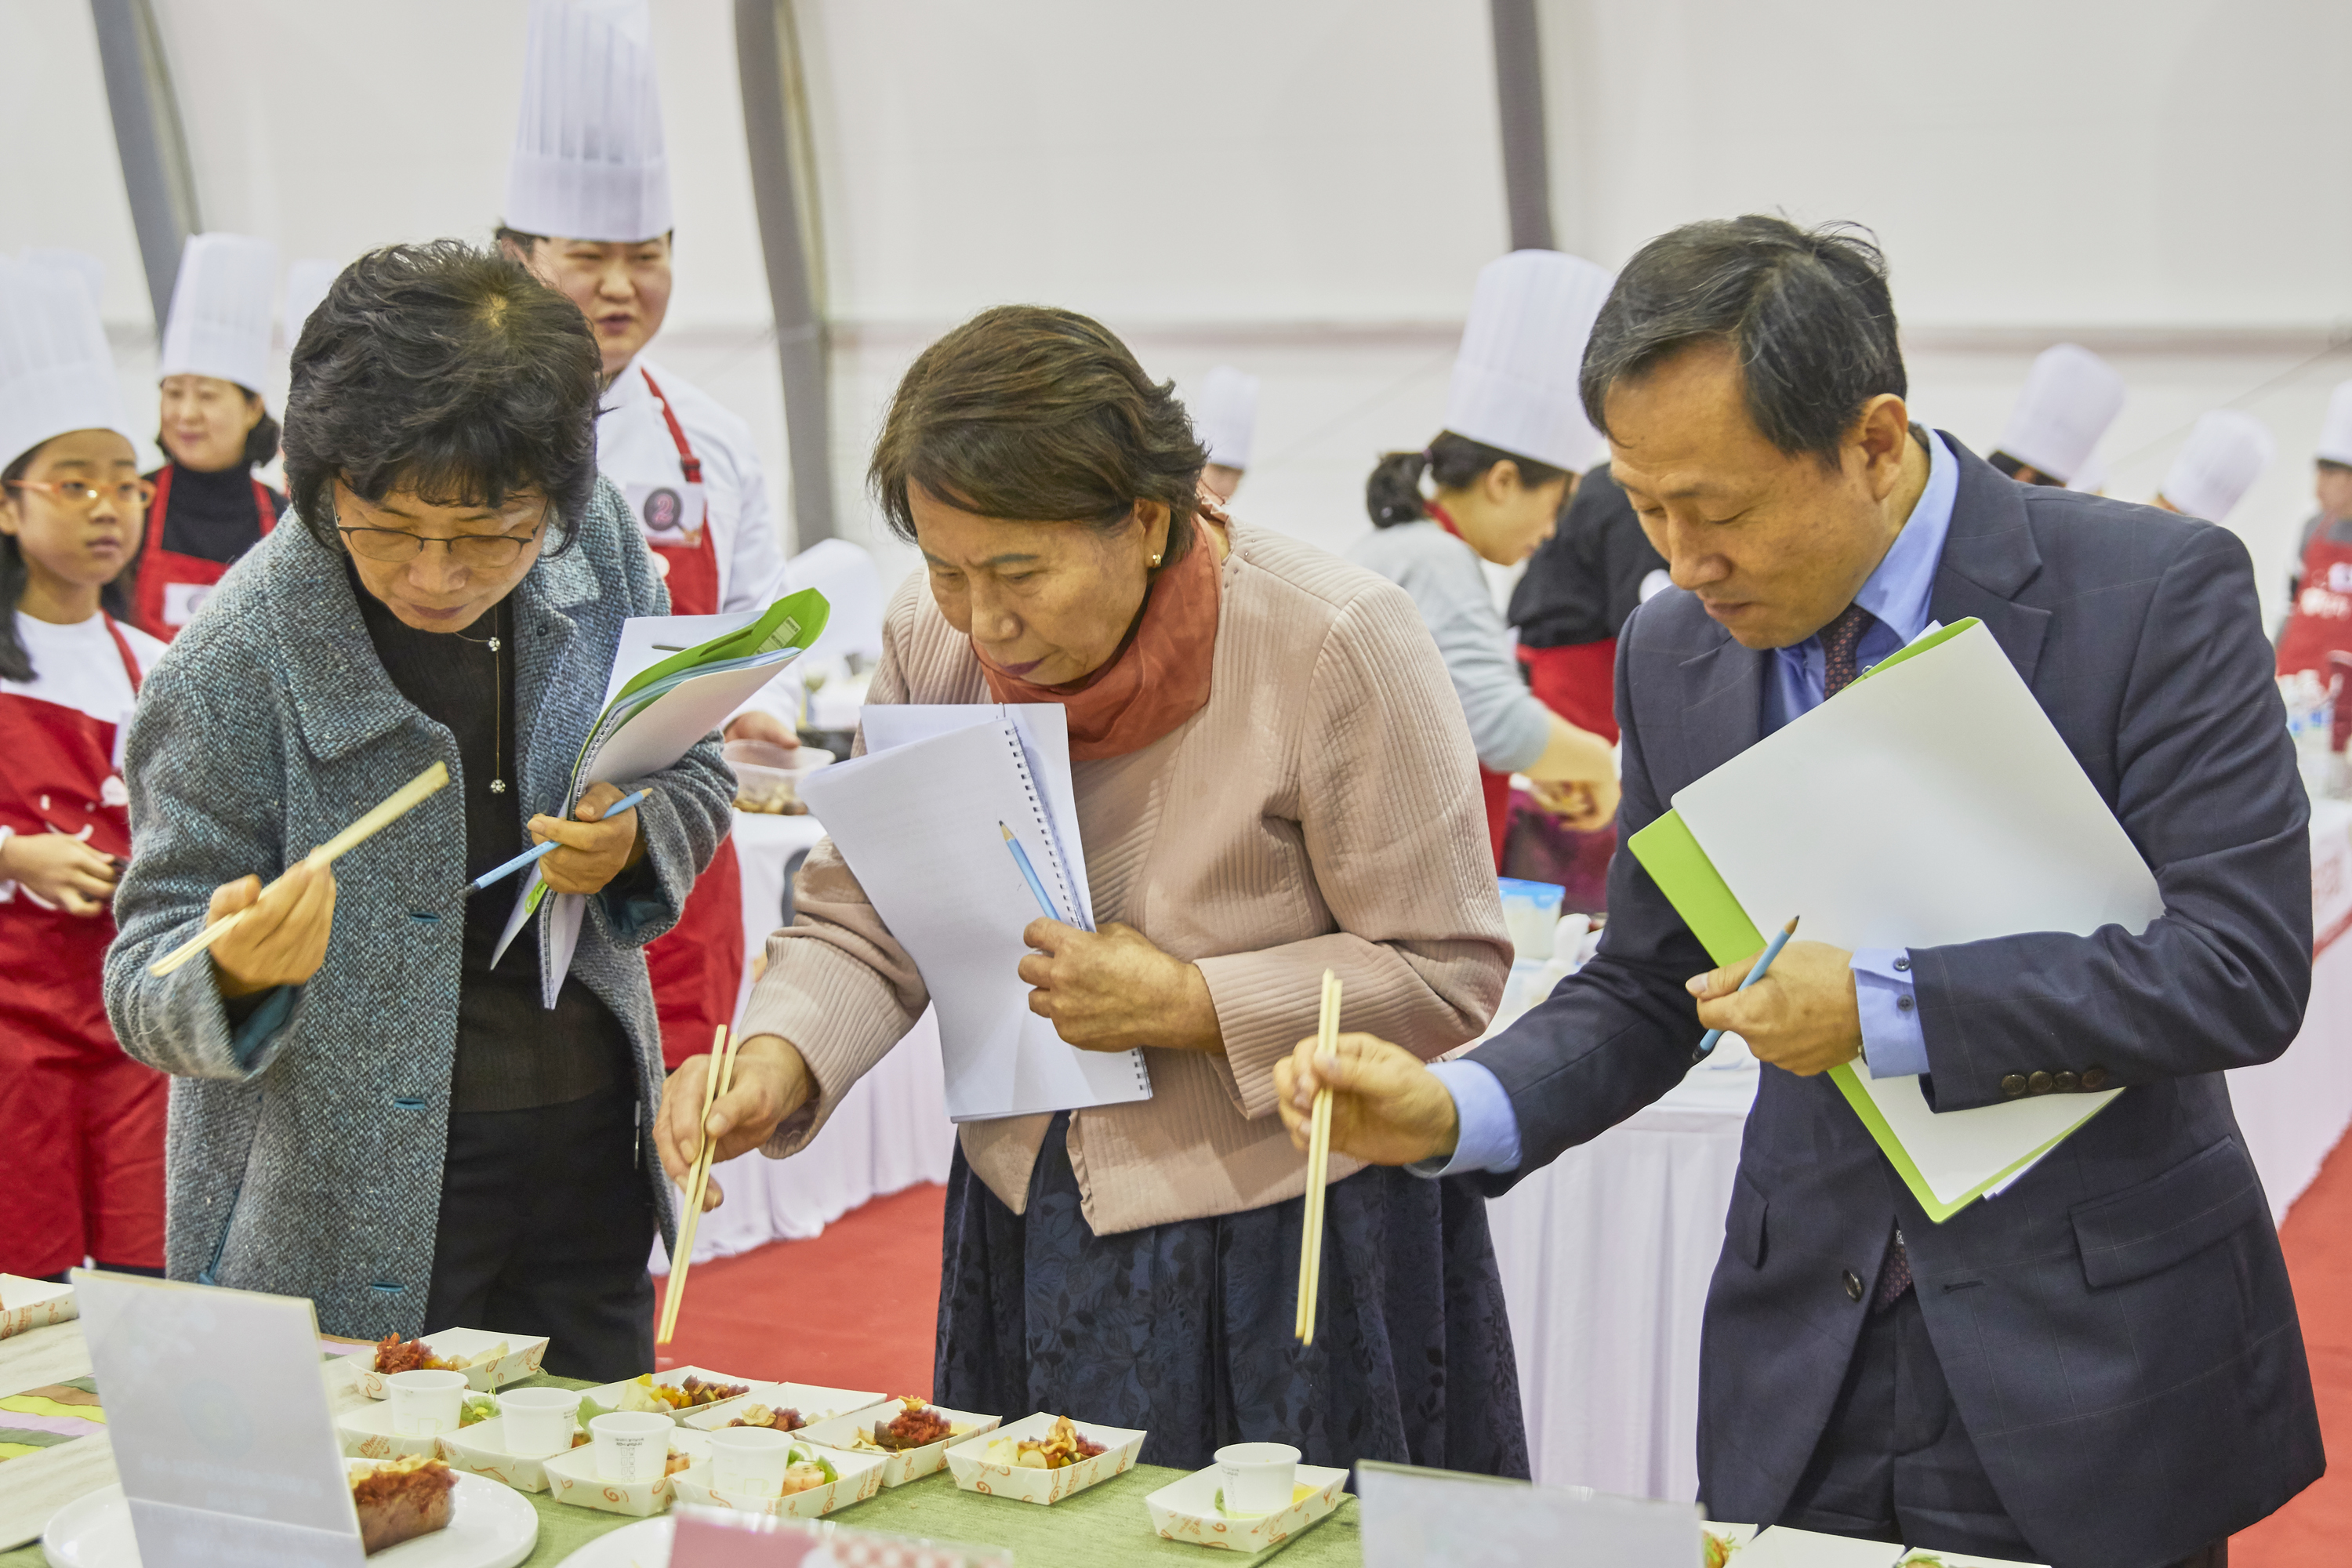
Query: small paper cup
pixel 632 1445
pixel 749 1461
pixel 425 1403
pixel 539 1421
pixel 1257 1477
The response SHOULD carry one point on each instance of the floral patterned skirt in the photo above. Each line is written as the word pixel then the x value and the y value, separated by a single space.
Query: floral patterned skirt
pixel 1184 1329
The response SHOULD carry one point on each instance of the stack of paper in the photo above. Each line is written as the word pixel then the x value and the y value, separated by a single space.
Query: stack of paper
pixel 674 678
pixel 1929 805
pixel 929 821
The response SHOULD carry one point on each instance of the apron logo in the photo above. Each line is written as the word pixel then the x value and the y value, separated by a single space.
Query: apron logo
pixel 663 511
pixel 2339 576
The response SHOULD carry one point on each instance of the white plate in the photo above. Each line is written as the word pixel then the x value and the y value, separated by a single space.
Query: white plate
pixel 489 1527
pixel 645 1544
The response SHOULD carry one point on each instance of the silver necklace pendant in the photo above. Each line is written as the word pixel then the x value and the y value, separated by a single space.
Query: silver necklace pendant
pixel 498 787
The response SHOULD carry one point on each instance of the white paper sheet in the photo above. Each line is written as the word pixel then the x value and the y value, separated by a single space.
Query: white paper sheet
pixel 220 1425
pixel 919 824
pixel 1432 1519
pixel 1931 805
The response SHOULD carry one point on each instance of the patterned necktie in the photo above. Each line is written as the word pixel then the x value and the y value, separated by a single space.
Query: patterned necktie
pixel 1841 644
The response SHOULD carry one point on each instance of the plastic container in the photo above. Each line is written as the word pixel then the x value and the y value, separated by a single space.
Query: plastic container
pixel 1531 914
pixel 768 777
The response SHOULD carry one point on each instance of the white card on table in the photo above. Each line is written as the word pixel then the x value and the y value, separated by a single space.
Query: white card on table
pixel 1438 1519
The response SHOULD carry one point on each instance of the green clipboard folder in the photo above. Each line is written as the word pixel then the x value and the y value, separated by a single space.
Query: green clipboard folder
pixel 1675 861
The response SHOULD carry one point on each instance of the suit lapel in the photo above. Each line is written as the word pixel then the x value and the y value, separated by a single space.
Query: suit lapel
pixel 1722 692
pixel 1988 556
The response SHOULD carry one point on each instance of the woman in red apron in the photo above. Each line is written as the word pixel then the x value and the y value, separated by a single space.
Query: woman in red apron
pixel 208 509
pixel 698 964
pixel 84 1122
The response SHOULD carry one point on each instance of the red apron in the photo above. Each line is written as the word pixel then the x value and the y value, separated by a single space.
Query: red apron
pixel 2320 623
pixel 1576 681
pixel 172 586
pixel 85 1123
pixel 698 964
pixel 1494 787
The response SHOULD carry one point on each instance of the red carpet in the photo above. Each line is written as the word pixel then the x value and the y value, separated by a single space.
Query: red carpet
pixel 853 1307
pixel 2317 1236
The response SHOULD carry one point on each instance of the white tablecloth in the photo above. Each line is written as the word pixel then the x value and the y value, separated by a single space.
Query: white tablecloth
pixel 891 1131
pixel 1606 1254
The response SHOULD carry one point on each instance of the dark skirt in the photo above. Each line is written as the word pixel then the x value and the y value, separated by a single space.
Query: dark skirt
pixel 1184 1329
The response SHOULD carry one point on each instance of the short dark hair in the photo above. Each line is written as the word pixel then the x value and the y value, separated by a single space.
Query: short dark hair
pixel 449 371
pixel 1392 493
pixel 1034 414
pixel 2330 465
pixel 1806 313
pixel 2014 467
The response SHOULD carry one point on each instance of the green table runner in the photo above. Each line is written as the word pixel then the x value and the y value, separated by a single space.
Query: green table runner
pixel 1106 1523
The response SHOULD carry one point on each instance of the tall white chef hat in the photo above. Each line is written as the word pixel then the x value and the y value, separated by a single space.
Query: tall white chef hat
pixel 81 263
pixel 2091 478
pixel 588 156
pixel 2226 452
pixel 1515 377
pixel 220 322
pixel 308 278
pixel 2335 429
pixel 57 374
pixel 1226 416
pixel 2071 396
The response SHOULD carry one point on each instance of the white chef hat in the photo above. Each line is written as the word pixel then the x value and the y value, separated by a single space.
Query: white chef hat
pixel 2091 478
pixel 88 269
pixel 308 278
pixel 588 156
pixel 57 374
pixel 1226 416
pixel 220 324
pixel 2071 396
pixel 1514 378
pixel 2226 452
pixel 2335 429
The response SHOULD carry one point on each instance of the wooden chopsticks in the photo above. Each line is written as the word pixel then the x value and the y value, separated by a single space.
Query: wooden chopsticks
pixel 395 805
pixel 716 1080
pixel 1318 1167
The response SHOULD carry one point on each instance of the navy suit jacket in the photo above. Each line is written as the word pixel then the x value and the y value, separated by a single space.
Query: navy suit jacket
pixel 2118 1328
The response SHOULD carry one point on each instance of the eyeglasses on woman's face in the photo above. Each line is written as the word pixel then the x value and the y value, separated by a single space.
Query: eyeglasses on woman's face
pixel 397 546
pixel 132 495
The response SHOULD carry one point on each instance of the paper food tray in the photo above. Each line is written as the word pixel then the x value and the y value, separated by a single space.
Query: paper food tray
pixel 33 1304
pixel 816 1404
pixel 367 1433
pixel 608 1395
pixel 906 1464
pixel 481 1450
pixel 524 1353
pixel 858 1477
pixel 571 1477
pixel 975 1473
pixel 1187 1511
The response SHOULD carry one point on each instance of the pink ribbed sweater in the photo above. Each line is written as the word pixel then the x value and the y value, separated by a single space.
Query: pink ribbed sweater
pixel 1323 811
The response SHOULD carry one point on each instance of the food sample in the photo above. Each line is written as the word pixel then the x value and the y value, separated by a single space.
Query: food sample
pixel 1718 1549
pixel 476 1407
pixel 400 1499
pixel 782 800
pixel 774 1420
pixel 645 1393
pixel 808 1471
pixel 1059 1448
pixel 914 1427
pixel 676 1464
pixel 394 1353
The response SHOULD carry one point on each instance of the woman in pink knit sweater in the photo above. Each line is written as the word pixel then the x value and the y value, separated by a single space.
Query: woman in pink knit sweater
pixel 1274 778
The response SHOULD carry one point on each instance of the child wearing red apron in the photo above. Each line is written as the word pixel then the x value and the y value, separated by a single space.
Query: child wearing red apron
pixel 84 1121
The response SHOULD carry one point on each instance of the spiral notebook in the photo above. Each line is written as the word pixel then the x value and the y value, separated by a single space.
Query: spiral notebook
pixel 923 822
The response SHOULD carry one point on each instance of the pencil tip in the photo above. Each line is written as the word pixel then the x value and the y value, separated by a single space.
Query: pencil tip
pixel 1792 927
pixel 1006 831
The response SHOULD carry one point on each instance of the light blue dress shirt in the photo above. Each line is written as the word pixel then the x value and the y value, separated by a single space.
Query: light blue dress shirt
pixel 1892 1042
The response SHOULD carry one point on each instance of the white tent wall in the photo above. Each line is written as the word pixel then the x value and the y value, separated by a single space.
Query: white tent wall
pixel 1307 189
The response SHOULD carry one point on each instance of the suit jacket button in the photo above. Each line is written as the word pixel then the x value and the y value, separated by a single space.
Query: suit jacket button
pixel 2039 1083
pixel 2014 1085
pixel 2064 1082
pixel 1853 1286
pixel 2094 1077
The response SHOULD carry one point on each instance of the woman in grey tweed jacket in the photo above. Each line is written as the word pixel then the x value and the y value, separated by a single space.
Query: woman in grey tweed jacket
pixel 329 1138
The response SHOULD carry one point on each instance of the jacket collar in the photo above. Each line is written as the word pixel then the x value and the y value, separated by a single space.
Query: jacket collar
pixel 1989 557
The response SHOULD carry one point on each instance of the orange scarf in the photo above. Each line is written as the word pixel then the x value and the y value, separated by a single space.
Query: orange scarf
pixel 1160 676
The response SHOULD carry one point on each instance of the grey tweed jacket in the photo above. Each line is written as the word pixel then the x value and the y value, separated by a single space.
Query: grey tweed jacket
pixel 308 1163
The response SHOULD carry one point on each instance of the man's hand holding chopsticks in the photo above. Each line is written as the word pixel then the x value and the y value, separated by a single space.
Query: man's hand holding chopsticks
pixel 770 1083
pixel 594 850
pixel 1386 1106
pixel 282 940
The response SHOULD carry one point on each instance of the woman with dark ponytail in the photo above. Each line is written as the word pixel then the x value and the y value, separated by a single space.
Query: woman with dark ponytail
pixel 209 510
pixel 85 1123
pixel 1488 489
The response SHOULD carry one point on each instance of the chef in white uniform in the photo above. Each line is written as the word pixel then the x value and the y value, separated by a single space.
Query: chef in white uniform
pixel 588 209
pixel 1224 412
pixel 2071 396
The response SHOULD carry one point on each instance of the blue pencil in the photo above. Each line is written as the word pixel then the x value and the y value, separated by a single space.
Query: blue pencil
pixel 1021 857
pixel 1771 950
pixel 541 851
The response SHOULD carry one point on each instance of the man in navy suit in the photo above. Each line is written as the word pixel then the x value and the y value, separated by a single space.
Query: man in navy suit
pixel 2101 1368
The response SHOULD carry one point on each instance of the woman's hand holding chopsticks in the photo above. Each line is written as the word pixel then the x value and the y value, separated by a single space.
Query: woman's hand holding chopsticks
pixel 1386 1108
pixel 770 1083
pixel 594 850
pixel 282 940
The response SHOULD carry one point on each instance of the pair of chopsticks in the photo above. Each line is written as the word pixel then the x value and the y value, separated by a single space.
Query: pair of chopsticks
pixel 1318 1167
pixel 716 1080
pixel 395 805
